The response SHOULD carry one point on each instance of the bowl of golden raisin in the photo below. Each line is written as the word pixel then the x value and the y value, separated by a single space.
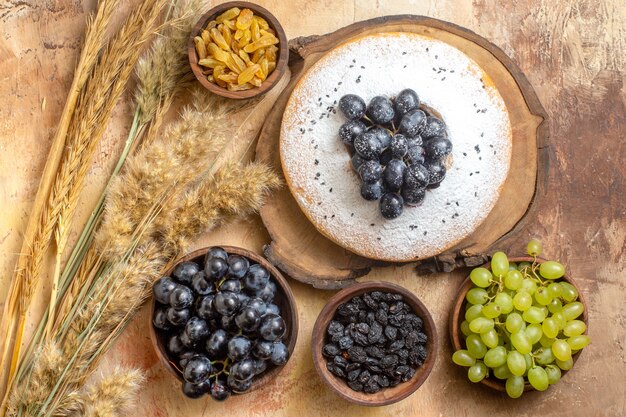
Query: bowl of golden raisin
pixel 238 50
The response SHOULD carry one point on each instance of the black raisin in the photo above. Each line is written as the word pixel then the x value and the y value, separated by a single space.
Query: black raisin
pixel 375 352
pixel 335 328
pixel 354 374
pixel 335 370
pixel 408 375
pixel 376 331
pixel 370 302
pixel 363 328
pixel 391 332
pixel 396 345
pixel 381 317
pixel 330 350
pixel 364 377
pixel 345 342
pixel 389 361
pixel 422 338
pixel 383 381
pixel 360 339
pixel 357 354
pixel 355 385
pixel 411 339
pixel 371 387
pixel 377 295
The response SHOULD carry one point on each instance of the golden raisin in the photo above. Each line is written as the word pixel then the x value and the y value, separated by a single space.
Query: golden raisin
pixel 245 19
pixel 219 39
pixel 228 15
pixel 200 47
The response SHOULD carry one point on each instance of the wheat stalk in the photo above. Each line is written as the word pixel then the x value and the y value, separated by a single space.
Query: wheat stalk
pixel 113 394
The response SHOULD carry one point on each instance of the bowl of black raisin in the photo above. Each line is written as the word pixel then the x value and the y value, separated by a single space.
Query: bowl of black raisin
pixel 374 343
pixel 224 321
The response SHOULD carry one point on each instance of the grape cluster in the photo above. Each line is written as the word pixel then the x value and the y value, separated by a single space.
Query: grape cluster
pixel 397 149
pixel 521 323
pixel 375 341
pixel 220 323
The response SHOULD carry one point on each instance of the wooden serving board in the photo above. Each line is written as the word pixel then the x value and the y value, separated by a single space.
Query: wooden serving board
pixel 306 255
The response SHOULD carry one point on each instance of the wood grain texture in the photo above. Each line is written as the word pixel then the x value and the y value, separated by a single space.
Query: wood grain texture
pixel 574 55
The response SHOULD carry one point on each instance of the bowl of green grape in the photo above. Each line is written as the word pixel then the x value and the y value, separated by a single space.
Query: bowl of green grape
pixel 518 324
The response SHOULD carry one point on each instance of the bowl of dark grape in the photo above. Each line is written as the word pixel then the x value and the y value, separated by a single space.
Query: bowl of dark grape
pixel 223 322
pixel 374 343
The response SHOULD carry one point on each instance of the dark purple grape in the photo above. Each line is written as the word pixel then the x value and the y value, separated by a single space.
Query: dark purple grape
pixel 412 141
pixel 415 155
pixel 394 174
pixel 406 100
pixel 352 106
pixel 239 347
pixel 268 292
pixel 272 327
pixel 181 297
pixel 185 271
pixel 383 135
pixel 160 321
pixel 413 196
pixel 259 366
pixel 196 329
pixel 197 370
pixel 263 349
pixel 437 147
pixel 391 205
pixel 185 356
pixel 368 145
pixel 238 386
pixel 273 309
pixel 201 285
pixel 215 268
pixel 350 130
pixel 196 390
pixel 238 266
pixel 243 370
pixel 433 127
pixel 372 192
pixel 256 278
pixel 380 110
pixel 162 289
pixel 185 340
pixel 258 305
pixel 216 252
pixel 437 171
pixel 228 323
pixel 204 307
pixel 370 171
pixel 226 303
pixel 175 346
pixel 411 123
pixel 280 354
pixel 398 146
pixel 231 285
pixel 177 317
pixel 217 344
pixel 356 161
pixel 219 391
pixel 416 176
pixel 248 319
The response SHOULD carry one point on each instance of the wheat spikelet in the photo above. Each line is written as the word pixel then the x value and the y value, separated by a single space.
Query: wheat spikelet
pixel 113 395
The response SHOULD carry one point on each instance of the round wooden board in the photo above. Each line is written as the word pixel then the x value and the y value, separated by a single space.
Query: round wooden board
pixel 306 255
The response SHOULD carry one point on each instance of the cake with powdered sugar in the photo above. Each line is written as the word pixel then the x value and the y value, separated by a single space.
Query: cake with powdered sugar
pixel 318 156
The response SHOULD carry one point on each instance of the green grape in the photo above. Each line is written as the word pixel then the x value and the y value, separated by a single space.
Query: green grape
pixel 572 310
pixel 513 280
pixel 524 265
pixel 516 363
pixel 514 322
pixel 475 346
pixel 533 333
pixel 515 386
pixel 555 289
pixel 463 358
pixel 543 297
pixel 555 305
pixel 499 264
pixel 574 328
pixel 481 325
pixel 477 296
pixel 544 356
pixel 560 318
pixel 502 372
pixel 550 327
pixel 565 365
pixel 522 301
pixel 495 357
pixel 492 310
pixel 481 277
pixel 512 266
pixel 546 341
pixel 528 286
pixel 578 342
pixel 561 350
pixel 475 311
pixel 534 247
pixel 505 302
pixel 529 361
pixel 533 315
pixel 545 311
pixel 538 378
pixel 551 270
pixel 554 374
pixel 521 343
pixel 477 372
pixel 568 292
pixel 465 328
pixel 490 338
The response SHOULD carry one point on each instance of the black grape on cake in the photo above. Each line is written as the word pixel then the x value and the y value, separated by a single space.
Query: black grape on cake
pixel 398 149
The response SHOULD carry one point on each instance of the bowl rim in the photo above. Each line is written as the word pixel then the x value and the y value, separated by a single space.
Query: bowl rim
pixel 459 301
pixel 292 324
pixel 270 82
pixel 338 385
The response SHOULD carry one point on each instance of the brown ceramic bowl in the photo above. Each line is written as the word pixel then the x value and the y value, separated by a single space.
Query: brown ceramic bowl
pixel 456 318
pixel 284 300
pixel 385 396
pixel 272 79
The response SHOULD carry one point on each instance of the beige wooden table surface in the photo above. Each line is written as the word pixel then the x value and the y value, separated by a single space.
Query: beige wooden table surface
pixel 573 53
